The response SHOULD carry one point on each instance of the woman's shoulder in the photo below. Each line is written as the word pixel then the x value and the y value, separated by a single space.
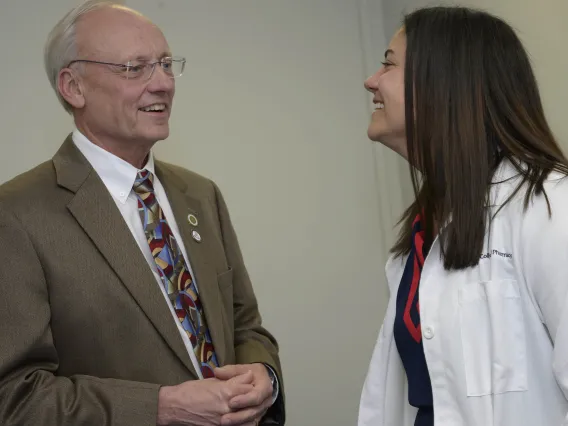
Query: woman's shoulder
pixel 544 207
pixel 507 186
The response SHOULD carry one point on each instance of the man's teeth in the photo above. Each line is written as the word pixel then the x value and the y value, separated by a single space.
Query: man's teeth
pixel 380 105
pixel 156 107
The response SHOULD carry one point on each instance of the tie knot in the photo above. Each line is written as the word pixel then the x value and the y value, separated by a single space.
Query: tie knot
pixel 144 182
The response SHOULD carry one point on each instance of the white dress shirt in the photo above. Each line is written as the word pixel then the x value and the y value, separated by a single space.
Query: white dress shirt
pixel 118 177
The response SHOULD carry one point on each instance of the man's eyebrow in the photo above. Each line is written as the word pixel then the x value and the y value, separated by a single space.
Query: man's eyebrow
pixel 145 58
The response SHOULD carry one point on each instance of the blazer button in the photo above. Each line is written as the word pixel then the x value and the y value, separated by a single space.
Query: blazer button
pixel 428 333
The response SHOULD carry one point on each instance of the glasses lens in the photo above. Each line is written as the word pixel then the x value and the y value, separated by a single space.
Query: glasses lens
pixel 176 67
pixel 171 66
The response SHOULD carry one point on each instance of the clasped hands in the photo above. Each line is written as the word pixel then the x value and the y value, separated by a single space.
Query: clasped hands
pixel 238 395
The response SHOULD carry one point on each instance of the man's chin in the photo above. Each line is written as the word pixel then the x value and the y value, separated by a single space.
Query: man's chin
pixel 156 135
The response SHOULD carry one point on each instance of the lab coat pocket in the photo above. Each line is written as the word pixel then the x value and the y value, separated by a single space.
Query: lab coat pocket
pixel 493 337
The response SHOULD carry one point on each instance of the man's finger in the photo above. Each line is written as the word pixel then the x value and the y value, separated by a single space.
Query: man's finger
pixel 254 398
pixel 241 417
pixel 257 396
pixel 236 390
pixel 239 385
pixel 246 378
pixel 229 371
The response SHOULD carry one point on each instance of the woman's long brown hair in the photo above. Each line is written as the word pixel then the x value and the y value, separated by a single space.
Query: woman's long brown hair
pixel 471 90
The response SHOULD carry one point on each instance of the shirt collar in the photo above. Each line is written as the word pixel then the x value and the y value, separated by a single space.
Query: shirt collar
pixel 117 175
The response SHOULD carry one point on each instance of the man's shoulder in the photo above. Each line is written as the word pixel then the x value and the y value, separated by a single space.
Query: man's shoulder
pixel 30 187
pixel 197 184
pixel 182 172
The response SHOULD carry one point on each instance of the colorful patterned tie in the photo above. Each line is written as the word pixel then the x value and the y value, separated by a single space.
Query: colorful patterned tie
pixel 174 273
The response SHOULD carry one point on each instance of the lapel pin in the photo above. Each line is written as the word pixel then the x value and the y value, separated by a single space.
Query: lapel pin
pixel 196 236
pixel 192 219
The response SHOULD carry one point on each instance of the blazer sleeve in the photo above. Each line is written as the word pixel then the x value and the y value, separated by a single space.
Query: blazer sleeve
pixel 544 249
pixel 253 343
pixel 31 392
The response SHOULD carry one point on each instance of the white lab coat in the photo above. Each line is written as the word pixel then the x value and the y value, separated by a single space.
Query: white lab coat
pixel 496 335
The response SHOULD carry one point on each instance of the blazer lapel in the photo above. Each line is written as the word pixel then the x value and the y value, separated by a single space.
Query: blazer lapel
pixel 199 253
pixel 96 212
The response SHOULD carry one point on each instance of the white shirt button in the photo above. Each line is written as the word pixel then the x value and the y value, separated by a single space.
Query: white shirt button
pixel 122 194
pixel 428 333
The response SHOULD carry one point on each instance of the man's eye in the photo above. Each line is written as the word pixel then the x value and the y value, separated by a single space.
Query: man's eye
pixel 134 69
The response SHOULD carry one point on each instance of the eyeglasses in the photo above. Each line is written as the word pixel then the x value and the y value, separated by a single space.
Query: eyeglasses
pixel 173 66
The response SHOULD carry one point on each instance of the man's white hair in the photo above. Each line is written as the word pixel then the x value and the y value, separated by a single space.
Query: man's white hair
pixel 61 46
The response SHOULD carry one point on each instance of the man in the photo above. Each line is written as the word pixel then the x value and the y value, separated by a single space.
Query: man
pixel 123 285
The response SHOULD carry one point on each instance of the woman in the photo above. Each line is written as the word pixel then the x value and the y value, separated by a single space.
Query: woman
pixel 476 331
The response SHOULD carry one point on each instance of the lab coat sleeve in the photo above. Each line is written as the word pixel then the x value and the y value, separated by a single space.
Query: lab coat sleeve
pixel 544 250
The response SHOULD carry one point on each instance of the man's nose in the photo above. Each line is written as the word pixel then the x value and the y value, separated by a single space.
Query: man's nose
pixel 160 80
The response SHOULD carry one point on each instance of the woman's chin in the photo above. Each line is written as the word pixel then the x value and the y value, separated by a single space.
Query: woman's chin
pixel 397 145
pixel 375 135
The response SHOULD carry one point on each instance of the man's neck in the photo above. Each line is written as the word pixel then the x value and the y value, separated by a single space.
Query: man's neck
pixel 133 153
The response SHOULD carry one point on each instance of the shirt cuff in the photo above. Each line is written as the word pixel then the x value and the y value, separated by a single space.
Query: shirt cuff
pixel 275 384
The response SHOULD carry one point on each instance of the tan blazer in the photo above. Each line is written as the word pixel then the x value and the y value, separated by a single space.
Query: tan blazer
pixel 86 335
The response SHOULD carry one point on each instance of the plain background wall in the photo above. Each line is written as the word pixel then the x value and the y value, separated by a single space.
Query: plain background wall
pixel 542 27
pixel 272 107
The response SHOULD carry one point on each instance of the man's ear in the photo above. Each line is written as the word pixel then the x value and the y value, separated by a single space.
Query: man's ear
pixel 70 87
